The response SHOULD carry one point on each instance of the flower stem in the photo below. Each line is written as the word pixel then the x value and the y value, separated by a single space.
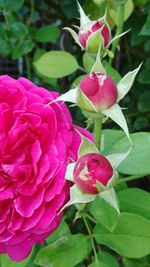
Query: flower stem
pixel 91 237
pixel 130 178
pixel 28 67
pixel 97 131
pixel 121 9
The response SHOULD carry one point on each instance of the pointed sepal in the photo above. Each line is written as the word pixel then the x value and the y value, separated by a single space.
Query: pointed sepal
pixel 86 147
pixel 126 83
pixel 74 35
pixel 110 197
pixel 69 172
pixel 70 96
pixel 98 66
pixel 115 113
pixel 78 196
pixel 84 103
pixel 83 17
pixel 116 159
pixel 117 37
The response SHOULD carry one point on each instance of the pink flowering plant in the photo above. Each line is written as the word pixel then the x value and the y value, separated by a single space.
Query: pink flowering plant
pixel 64 197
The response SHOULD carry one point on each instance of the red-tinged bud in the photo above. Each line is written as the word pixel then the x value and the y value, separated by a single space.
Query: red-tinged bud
pixel 89 30
pixel 91 171
pixel 100 90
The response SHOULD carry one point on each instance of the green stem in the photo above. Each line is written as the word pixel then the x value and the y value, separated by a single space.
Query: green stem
pixel 120 23
pixel 130 178
pixel 91 237
pixel 97 131
pixel 90 218
pixel 28 66
pixel 32 12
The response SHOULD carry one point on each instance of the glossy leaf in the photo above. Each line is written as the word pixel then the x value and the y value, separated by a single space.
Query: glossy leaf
pixel 66 252
pixel 56 64
pixel 130 238
pixel 104 213
pixel 135 200
pixel 137 162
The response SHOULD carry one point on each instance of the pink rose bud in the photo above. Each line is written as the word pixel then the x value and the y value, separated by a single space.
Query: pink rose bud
pixel 101 91
pixel 90 170
pixel 88 37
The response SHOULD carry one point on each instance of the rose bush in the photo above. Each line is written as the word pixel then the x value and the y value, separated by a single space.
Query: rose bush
pixel 37 141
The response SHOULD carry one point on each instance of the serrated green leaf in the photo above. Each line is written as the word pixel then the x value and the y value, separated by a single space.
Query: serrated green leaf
pixel 5 261
pixel 130 238
pixel 62 230
pixel 109 138
pixel 104 213
pixel 135 200
pixel 137 162
pixel 108 259
pixel 67 253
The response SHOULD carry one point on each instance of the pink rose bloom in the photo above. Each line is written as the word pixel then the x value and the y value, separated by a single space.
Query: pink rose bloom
pixel 37 141
pixel 90 170
pixel 100 89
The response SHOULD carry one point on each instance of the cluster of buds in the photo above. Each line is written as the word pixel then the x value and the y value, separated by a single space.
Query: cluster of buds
pixel 97 95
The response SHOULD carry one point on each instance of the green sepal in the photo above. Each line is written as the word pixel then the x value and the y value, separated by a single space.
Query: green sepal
pixel 126 82
pixel 116 159
pixel 115 113
pixel 78 196
pixel 70 96
pixel 69 172
pixel 86 146
pixel 98 66
pixel 84 103
pixel 110 197
pixel 94 41
pixel 83 17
